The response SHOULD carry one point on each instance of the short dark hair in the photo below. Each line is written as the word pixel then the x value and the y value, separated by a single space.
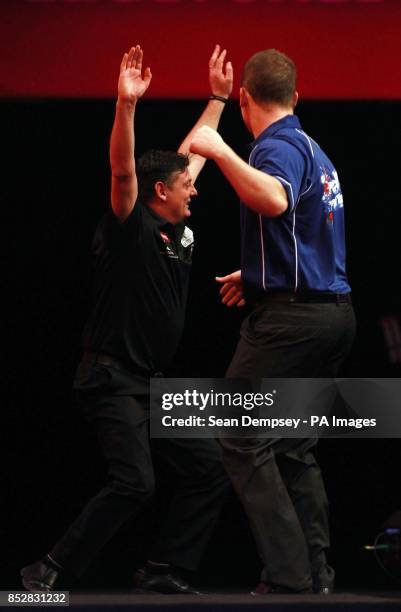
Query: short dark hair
pixel 156 166
pixel 270 76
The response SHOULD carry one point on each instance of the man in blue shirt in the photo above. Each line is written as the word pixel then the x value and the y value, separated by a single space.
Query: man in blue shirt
pixel 302 322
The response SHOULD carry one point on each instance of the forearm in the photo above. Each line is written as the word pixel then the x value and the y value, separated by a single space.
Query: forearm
pixel 122 142
pixel 258 190
pixel 210 116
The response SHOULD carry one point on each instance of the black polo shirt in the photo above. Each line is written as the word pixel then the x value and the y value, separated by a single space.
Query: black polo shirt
pixel 142 269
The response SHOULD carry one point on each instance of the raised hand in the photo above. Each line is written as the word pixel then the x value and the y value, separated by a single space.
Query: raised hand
pixel 131 84
pixel 221 82
pixel 231 291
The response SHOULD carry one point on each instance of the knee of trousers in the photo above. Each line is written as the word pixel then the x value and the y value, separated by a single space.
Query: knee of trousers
pixel 218 478
pixel 210 471
pixel 214 477
pixel 138 489
pixel 239 453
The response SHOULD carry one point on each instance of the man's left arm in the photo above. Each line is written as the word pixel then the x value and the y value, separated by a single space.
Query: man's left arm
pixel 221 84
pixel 231 291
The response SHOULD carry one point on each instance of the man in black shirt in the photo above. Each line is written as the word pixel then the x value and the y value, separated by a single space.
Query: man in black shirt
pixel 142 251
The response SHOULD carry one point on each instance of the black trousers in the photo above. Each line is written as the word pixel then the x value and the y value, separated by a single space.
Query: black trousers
pixel 278 480
pixel 116 404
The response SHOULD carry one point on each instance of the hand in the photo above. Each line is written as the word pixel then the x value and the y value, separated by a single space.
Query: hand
pixel 221 84
pixel 207 142
pixel 131 85
pixel 231 291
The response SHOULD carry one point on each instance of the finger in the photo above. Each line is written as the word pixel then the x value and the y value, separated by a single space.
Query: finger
pixel 225 279
pixel 230 294
pixel 123 64
pixel 136 57
pixel 130 57
pixel 241 303
pixel 139 58
pixel 222 279
pixel 195 145
pixel 234 300
pixel 229 71
pixel 225 288
pixel 214 56
pixel 220 59
pixel 147 76
pixel 132 62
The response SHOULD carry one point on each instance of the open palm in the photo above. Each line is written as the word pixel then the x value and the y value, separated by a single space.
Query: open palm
pixel 131 84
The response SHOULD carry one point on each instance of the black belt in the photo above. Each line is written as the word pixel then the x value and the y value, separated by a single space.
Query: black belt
pixel 107 360
pixel 318 297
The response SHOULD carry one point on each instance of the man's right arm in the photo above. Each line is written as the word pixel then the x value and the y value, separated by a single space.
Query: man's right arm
pixel 259 191
pixel 131 86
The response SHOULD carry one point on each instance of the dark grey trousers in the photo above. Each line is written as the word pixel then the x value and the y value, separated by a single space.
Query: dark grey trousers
pixel 116 404
pixel 278 480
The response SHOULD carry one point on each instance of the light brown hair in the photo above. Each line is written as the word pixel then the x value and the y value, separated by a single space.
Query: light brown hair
pixel 270 76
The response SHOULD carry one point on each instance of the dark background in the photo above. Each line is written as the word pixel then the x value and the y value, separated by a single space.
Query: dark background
pixel 54 188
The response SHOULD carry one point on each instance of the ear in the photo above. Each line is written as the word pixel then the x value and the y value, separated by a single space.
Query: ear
pixel 243 97
pixel 295 99
pixel 160 190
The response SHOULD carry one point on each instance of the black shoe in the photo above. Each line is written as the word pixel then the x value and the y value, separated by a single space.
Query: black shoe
pixel 39 577
pixel 263 588
pixel 162 580
pixel 323 579
pixel 322 590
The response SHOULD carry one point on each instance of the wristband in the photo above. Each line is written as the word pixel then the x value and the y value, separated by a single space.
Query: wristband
pixel 220 98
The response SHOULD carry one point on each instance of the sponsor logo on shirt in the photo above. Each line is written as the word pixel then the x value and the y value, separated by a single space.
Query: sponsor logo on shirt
pixel 165 237
pixel 168 246
pixel 332 197
pixel 187 237
pixel 187 241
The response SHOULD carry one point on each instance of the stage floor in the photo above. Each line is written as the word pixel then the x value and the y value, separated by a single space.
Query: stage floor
pixel 236 601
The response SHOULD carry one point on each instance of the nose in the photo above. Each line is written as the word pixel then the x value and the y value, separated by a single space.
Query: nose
pixel 193 191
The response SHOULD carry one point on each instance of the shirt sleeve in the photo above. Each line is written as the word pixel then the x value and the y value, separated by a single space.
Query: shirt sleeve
pixel 119 235
pixel 283 161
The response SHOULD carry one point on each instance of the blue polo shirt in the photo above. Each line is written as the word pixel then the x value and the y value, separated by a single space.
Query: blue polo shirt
pixel 303 249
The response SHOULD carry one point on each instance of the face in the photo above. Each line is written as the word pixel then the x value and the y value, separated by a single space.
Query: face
pixel 178 196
